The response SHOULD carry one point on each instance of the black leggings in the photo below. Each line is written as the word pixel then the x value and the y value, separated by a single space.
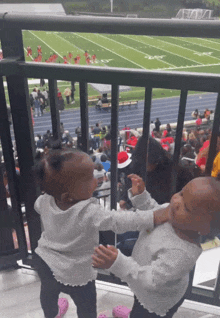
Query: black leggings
pixel 138 311
pixel 84 296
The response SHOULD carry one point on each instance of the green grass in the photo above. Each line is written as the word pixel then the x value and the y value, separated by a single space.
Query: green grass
pixel 129 51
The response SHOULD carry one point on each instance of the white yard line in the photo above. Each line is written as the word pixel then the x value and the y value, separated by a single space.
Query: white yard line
pixel 111 51
pixel 127 46
pixel 183 40
pixel 191 66
pixel 68 42
pixel 127 36
pixel 215 42
pixel 45 43
pixel 169 51
pixel 29 55
pixel 78 48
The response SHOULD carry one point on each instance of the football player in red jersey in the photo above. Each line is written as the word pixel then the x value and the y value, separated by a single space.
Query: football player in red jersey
pixel 29 51
pixel 70 56
pixel 39 49
pixel 93 58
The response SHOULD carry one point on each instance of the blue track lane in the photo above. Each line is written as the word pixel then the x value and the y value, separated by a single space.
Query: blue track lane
pixel 166 109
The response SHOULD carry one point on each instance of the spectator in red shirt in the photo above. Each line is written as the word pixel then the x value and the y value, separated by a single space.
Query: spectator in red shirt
pixel 132 141
pixel 198 121
pixel 59 94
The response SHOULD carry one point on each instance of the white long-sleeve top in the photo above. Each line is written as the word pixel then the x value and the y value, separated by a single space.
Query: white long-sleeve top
pixel 158 270
pixel 69 237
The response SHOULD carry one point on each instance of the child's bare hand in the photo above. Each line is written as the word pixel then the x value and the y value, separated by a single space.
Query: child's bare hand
pixel 138 185
pixel 122 204
pixel 104 257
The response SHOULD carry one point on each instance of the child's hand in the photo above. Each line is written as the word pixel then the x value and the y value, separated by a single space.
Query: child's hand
pixel 138 185
pixel 122 204
pixel 104 257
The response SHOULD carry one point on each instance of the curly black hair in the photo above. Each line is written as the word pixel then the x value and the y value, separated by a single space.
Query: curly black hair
pixel 55 159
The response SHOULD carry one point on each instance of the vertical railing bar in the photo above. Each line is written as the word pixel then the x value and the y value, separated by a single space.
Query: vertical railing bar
pixel 9 162
pixel 83 90
pixel 55 118
pixel 214 137
pixel 114 145
pixel 216 292
pixel 146 125
pixel 12 46
pixel 178 138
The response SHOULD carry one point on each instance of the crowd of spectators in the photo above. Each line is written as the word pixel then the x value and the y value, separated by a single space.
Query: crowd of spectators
pixel 192 161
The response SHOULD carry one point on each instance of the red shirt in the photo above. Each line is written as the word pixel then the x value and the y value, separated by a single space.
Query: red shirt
pixel 198 121
pixel 170 140
pixel 165 146
pixel 132 141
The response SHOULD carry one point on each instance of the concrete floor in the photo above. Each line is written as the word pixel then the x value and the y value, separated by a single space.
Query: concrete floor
pixel 20 298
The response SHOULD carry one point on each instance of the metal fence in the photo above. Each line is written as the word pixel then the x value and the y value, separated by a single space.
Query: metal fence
pixel 16 70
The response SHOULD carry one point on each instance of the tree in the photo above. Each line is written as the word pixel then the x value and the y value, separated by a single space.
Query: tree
pixel 192 3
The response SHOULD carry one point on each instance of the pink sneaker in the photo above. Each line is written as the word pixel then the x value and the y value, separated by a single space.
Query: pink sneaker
pixel 121 312
pixel 63 305
pixel 102 316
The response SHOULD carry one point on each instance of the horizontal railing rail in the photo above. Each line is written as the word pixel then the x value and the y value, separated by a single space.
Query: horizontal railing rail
pixel 163 27
pixel 118 76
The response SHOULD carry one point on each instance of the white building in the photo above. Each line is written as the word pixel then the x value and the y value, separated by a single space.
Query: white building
pixel 33 8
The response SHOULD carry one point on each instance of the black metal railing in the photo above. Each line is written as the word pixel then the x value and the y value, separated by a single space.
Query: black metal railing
pixel 16 70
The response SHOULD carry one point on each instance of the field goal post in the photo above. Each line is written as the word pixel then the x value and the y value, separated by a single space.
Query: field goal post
pixel 194 14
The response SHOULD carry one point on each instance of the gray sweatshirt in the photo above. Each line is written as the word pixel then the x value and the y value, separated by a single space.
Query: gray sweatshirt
pixel 158 270
pixel 69 237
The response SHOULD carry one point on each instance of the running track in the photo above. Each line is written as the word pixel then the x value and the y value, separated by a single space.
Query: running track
pixel 166 109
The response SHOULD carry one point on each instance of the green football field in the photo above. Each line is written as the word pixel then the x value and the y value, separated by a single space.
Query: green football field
pixel 130 51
